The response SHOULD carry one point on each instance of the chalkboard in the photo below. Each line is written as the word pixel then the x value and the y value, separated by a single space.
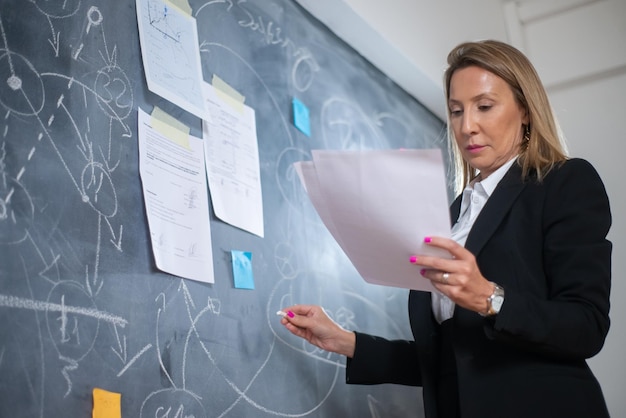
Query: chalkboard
pixel 82 305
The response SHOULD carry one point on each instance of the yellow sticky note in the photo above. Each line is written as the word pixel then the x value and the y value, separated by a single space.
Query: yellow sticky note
pixel 106 404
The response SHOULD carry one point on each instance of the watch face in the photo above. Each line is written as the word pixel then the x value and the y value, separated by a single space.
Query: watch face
pixel 496 303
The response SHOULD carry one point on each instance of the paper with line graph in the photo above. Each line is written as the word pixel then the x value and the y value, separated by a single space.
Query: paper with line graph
pixel 171 54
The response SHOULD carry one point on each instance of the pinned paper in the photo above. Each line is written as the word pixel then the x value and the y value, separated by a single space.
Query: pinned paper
pixel 301 117
pixel 242 269
pixel 228 94
pixel 167 35
pixel 173 180
pixel 170 127
pixel 106 404
pixel 231 151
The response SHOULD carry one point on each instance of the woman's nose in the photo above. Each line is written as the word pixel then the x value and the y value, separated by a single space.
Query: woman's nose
pixel 468 124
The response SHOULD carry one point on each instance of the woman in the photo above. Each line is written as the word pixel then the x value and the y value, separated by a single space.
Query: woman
pixel 524 299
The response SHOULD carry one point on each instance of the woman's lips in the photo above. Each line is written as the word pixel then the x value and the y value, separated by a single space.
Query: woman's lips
pixel 474 148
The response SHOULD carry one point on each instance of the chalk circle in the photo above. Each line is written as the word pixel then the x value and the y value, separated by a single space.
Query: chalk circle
pixel 304 70
pixel 114 92
pixel 73 334
pixel 57 9
pixel 14 82
pixel 172 403
pixel 98 190
pixel 16 211
pixel 21 87
pixel 94 16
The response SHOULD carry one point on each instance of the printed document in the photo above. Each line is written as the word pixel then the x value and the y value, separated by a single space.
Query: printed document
pixel 379 206
pixel 232 162
pixel 177 203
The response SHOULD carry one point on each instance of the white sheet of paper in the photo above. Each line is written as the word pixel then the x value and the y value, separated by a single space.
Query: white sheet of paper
pixel 308 178
pixel 232 161
pixel 177 203
pixel 171 54
pixel 381 206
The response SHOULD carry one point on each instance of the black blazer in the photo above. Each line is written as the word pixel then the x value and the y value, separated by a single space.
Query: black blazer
pixel 545 244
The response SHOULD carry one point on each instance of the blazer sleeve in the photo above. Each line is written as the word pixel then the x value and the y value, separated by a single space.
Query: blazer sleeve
pixel 572 319
pixel 378 360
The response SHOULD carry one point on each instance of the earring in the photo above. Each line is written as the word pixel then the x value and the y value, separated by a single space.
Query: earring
pixel 527 134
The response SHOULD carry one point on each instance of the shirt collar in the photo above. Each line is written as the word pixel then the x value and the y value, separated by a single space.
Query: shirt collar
pixel 489 184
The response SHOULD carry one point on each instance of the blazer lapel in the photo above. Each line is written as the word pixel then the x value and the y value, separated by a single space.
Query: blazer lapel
pixel 455 209
pixel 495 209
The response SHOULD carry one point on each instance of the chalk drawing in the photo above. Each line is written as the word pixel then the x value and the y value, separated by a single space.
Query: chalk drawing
pixel 67 126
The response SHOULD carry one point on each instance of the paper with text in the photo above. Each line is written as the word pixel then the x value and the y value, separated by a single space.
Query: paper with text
pixel 175 193
pixel 232 161
pixel 379 206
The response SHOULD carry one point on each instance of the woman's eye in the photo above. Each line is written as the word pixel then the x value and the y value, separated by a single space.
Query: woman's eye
pixel 484 108
pixel 455 112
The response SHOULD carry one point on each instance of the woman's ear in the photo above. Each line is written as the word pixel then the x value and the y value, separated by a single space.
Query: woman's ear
pixel 526 118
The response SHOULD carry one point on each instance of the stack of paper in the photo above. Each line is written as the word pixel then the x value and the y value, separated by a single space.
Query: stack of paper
pixel 379 206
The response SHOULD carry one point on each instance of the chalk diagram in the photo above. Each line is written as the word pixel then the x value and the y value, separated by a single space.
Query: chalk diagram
pixel 293 274
pixel 64 308
pixel 61 287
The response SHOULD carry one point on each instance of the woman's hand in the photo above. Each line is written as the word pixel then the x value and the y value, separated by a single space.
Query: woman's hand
pixel 314 325
pixel 458 278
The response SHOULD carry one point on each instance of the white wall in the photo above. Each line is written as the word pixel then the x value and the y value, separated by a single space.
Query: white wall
pixel 599 137
pixel 580 53
pixel 579 49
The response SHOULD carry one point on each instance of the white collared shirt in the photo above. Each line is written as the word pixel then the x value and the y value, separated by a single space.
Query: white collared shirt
pixel 474 198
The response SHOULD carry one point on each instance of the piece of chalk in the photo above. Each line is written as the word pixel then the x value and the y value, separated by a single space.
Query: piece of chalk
pixel 281 313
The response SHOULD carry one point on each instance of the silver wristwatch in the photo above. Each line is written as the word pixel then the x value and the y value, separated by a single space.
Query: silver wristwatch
pixel 495 301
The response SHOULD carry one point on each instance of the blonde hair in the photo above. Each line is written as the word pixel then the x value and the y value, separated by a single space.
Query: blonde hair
pixel 545 146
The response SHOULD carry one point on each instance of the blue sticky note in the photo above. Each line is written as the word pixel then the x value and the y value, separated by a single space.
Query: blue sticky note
pixel 242 269
pixel 301 117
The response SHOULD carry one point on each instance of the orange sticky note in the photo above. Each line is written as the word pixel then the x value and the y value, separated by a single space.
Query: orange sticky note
pixel 106 404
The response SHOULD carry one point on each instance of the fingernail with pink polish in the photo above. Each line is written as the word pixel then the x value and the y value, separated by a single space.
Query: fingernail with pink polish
pixel 413 259
pixel 427 239
pixel 290 314
pixel 422 271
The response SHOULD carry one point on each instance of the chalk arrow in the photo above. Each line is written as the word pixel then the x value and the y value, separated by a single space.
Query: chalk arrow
pixel 54 42
pixel 44 273
pixel 118 244
pixel 121 344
